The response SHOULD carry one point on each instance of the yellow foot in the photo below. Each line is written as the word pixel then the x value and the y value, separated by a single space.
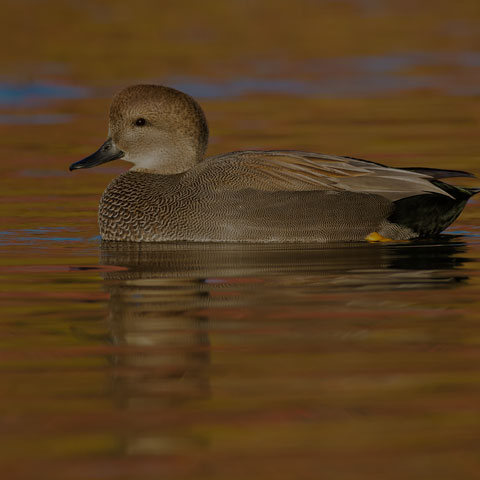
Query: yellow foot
pixel 376 237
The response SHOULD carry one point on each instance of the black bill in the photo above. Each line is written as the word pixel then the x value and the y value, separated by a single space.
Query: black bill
pixel 106 153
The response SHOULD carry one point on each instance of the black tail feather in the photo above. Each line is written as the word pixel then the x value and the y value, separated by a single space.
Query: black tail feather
pixel 438 173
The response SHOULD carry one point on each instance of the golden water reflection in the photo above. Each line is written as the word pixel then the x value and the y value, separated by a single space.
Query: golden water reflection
pixel 206 362
pixel 338 357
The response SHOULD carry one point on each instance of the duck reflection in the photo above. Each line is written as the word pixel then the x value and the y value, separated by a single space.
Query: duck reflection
pixel 166 340
pixel 166 298
pixel 186 273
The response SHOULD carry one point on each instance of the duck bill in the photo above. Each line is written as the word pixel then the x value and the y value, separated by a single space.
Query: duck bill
pixel 106 153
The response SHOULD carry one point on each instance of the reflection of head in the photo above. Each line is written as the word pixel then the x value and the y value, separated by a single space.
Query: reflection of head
pixel 166 346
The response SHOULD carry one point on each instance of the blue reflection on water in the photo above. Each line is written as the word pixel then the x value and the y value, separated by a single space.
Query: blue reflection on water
pixel 241 86
pixel 29 236
pixel 24 94
pixel 334 86
pixel 335 77
pixel 34 119
pixel 344 76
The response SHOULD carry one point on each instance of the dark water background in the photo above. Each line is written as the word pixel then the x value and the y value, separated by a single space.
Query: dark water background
pixel 190 361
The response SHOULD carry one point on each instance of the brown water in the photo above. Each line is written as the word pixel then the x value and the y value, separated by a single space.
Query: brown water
pixel 191 361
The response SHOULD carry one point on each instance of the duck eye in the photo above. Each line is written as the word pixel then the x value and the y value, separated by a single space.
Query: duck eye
pixel 140 122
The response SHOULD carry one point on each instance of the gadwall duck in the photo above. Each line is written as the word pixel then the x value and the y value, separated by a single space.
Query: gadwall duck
pixel 173 193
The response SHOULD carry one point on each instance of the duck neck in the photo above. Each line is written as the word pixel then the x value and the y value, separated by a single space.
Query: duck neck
pixel 167 159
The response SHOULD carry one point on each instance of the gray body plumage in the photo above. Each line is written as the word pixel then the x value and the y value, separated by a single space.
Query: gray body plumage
pixel 174 193
pixel 278 196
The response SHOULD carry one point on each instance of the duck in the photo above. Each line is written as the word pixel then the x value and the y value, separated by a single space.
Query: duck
pixel 173 192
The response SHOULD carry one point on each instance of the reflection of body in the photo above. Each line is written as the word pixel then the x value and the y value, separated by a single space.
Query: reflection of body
pixel 173 193
pixel 173 300
pixel 160 306
pixel 194 268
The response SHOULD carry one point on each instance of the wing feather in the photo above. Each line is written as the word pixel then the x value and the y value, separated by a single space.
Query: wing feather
pixel 283 170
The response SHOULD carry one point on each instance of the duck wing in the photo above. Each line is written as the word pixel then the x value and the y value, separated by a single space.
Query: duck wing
pixel 286 170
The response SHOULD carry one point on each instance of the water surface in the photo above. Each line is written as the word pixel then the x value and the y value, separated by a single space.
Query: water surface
pixel 199 361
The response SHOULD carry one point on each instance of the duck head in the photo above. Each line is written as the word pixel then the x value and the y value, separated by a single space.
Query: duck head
pixel 158 129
